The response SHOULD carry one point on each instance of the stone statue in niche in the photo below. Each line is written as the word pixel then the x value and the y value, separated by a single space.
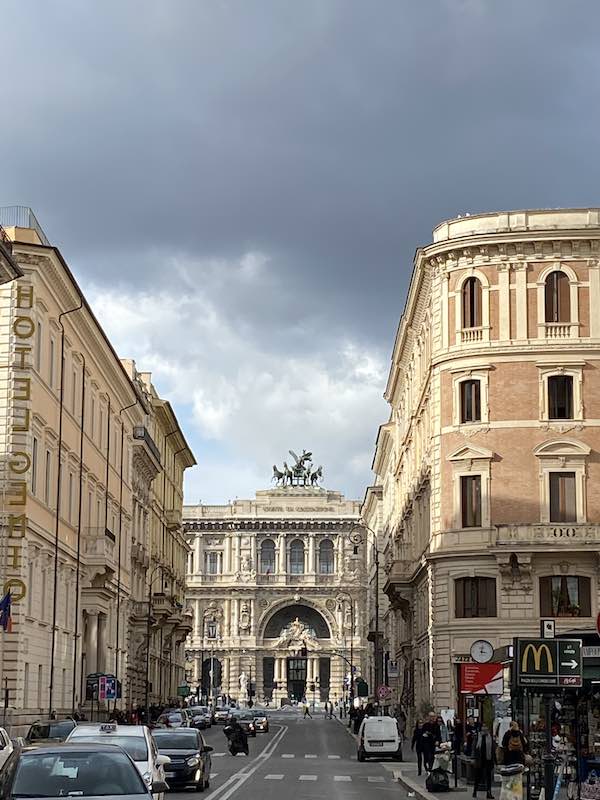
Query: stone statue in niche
pixel 213 617
pixel 247 572
pixel 244 617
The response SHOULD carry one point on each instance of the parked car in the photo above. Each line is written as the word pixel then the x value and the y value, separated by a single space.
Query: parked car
pixel 85 769
pixel 201 716
pixel 261 721
pixel 49 731
pixel 137 742
pixel 6 746
pixel 190 757
pixel 379 736
pixel 175 718
pixel 246 720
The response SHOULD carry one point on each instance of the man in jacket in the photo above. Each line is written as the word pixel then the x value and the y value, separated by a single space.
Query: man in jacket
pixel 431 737
pixel 484 761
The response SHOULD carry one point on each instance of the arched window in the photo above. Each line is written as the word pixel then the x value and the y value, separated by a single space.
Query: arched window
pixel 297 557
pixel 267 557
pixel 471 303
pixel 557 297
pixel 326 559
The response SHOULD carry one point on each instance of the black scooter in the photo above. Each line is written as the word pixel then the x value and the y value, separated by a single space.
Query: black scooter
pixel 238 741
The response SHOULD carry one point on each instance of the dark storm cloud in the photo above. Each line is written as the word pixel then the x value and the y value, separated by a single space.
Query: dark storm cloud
pixel 329 136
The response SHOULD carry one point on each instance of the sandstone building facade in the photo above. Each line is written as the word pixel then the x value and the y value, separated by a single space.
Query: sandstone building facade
pixel 486 500
pixel 90 496
pixel 278 593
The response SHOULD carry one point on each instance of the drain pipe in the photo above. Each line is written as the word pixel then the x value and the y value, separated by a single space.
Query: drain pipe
pixel 131 405
pixel 78 578
pixel 58 496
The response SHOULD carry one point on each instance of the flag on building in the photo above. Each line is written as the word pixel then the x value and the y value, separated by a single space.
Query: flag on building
pixel 5 617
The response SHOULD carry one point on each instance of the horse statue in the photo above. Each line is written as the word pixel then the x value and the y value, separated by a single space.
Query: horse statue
pixel 316 476
pixel 288 474
pixel 278 476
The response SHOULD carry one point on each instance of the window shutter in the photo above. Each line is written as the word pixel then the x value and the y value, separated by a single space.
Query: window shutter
pixel 564 297
pixel 466 305
pixel 545 597
pixel 550 298
pixel 585 599
pixel 490 597
pixel 459 592
pixel 477 400
pixel 476 303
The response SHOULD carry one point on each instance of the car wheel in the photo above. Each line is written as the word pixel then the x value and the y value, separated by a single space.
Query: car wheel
pixel 398 756
pixel 207 783
pixel 200 786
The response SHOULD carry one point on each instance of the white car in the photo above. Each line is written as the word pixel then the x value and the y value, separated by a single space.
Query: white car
pixel 135 740
pixel 6 746
pixel 379 736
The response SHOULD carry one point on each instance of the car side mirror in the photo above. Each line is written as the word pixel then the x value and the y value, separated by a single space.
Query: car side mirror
pixel 162 761
pixel 159 787
pixel 208 749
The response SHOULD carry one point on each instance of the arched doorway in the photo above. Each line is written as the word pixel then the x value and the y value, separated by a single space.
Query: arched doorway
pixel 298 637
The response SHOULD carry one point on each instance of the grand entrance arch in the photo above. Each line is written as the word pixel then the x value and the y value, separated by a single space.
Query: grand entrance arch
pixel 297 639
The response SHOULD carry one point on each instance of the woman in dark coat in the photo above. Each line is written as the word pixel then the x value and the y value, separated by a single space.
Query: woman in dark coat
pixel 417 744
pixel 514 745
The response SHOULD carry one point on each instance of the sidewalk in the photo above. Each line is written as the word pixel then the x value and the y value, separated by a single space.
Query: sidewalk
pixel 405 772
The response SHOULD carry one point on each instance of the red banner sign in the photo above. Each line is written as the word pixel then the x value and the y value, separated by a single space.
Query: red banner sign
pixel 481 679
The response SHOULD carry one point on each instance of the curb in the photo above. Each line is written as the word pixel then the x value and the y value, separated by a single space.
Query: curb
pixel 420 791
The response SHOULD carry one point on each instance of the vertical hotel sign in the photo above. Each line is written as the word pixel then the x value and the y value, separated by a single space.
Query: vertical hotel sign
pixel 19 458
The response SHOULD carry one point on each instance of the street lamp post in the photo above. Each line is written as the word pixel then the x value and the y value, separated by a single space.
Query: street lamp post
pixel 356 537
pixel 346 596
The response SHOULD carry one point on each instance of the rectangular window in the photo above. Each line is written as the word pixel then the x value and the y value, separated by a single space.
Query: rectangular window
pixel 212 563
pixel 34 458
pixel 51 364
pixel 48 478
pixel 74 391
pixel 101 431
pixel 565 596
pixel 470 401
pixel 563 497
pixel 38 346
pixel 98 514
pixel 560 397
pixel 470 501
pixel 475 597
pixel 93 419
pixel 26 686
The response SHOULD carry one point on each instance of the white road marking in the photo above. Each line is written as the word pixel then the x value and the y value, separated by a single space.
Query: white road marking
pixel 288 755
pixel 309 755
pixel 333 756
pixel 342 778
pixel 273 777
pixel 217 755
pixel 378 779
pixel 233 783
pixel 213 775
pixel 307 778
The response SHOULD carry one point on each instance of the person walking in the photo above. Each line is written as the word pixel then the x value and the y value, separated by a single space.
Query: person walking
pixel 514 745
pixel 431 738
pixel 417 745
pixel 306 710
pixel 484 761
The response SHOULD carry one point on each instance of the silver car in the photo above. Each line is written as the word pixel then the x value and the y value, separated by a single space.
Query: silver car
pixel 75 770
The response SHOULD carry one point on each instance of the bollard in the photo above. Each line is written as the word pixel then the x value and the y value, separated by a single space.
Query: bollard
pixel 512 782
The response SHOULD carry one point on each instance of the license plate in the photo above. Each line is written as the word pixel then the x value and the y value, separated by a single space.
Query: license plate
pixel 169 774
pixel 376 744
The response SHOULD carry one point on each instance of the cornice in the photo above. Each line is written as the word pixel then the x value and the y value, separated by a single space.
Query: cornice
pixel 231 526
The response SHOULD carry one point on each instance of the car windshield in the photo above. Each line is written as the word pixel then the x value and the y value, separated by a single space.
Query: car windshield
pixel 165 740
pixel 51 730
pixel 175 717
pixel 134 745
pixel 76 774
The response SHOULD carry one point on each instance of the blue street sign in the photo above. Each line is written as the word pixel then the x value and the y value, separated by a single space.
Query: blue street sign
pixel 110 688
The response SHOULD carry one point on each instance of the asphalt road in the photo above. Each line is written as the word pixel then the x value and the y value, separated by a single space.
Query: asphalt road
pixel 312 758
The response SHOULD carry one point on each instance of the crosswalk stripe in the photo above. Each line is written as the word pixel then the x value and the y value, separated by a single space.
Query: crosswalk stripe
pixel 216 755
pixel 288 755
pixel 377 779
pixel 213 775
pixel 307 778
pixel 273 777
pixel 342 778
pixel 333 756
pixel 309 755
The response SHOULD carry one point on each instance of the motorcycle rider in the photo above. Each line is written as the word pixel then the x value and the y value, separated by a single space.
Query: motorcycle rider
pixel 238 740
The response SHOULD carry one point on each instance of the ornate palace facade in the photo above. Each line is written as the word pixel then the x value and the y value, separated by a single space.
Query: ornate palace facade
pixel 278 592
pixel 486 500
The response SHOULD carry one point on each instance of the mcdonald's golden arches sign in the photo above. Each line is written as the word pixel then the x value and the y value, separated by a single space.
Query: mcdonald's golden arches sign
pixel 548 662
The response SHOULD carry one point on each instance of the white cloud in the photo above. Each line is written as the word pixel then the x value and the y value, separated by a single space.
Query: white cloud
pixel 252 401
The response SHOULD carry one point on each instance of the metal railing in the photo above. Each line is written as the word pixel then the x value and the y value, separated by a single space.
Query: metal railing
pixel 22 217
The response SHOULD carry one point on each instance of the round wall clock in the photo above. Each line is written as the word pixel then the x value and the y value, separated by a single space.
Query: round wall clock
pixel 482 651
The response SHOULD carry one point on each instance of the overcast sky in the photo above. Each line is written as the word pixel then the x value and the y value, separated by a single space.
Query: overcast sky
pixel 240 187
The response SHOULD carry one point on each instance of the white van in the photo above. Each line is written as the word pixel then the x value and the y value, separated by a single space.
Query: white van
pixel 379 736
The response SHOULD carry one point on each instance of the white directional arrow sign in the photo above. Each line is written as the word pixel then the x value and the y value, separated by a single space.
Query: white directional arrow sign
pixel 571 664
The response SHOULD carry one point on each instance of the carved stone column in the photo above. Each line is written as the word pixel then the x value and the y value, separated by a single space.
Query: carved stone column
pixel 91 642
